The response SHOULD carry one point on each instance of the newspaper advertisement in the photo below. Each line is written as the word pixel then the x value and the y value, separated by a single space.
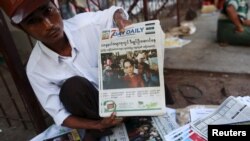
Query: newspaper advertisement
pixel 131 71
pixel 231 111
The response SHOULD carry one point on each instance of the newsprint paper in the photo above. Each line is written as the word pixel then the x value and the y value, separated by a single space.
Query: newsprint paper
pixel 131 71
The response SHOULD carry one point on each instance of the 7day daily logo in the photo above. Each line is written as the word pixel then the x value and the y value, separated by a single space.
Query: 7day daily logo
pixel 132 31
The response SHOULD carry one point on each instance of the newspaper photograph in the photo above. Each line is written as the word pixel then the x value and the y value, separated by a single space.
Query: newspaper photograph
pixel 142 129
pixel 131 71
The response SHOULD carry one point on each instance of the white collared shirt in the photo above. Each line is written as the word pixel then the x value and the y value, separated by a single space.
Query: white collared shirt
pixel 47 70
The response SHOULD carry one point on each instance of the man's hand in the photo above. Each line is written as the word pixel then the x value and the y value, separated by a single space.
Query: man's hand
pixel 120 20
pixel 239 29
pixel 246 22
pixel 110 121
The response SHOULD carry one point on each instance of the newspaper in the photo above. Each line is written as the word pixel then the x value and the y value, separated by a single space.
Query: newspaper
pixel 119 134
pixel 175 42
pixel 184 133
pixel 70 136
pixel 144 128
pixel 55 131
pixel 131 71
pixel 231 111
pixel 196 113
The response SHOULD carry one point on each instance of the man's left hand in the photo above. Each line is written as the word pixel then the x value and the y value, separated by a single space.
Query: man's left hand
pixel 120 20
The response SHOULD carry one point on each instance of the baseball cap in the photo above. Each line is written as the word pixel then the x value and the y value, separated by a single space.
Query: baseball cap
pixel 18 10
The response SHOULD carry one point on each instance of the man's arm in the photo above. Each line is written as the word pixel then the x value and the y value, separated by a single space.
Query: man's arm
pixel 233 16
pixel 77 122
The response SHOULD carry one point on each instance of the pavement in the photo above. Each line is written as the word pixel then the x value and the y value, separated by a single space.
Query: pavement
pixel 205 54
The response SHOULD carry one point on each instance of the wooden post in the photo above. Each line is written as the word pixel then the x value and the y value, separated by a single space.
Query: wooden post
pixel 178 12
pixel 17 70
pixel 145 9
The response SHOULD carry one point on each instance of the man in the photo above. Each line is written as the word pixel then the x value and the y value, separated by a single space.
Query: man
pixel 233 25
pixel 237 10
pixel 62 67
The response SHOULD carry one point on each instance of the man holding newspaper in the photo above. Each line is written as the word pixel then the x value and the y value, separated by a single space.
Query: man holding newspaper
pixel 62 67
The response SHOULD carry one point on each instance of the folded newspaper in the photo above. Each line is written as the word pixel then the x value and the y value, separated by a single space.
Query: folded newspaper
pixel 131 71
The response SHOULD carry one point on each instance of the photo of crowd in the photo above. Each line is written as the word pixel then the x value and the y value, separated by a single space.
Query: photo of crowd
pixel 142 129
pixel 130 69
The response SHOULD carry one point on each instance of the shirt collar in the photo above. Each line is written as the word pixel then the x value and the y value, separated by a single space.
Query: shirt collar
pixel 55 56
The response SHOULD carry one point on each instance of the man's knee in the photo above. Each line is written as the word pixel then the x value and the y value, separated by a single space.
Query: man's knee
pixel 74 80
pixel 76 84
pixel 78 95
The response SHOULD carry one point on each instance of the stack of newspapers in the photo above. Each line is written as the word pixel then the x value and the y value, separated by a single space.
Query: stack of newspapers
pixel 131 71
pixel 233 111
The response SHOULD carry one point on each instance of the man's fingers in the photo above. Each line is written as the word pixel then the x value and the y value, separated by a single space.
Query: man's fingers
pixel 121 24
pixel 113 115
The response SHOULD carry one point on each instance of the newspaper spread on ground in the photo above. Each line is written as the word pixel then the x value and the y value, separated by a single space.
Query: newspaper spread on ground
pixel 144 128
pixel 184 133
pixel 54 132
pixel 175 42
pixel 231 111
pixel 131 71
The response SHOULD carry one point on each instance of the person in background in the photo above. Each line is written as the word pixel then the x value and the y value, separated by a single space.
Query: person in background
pixel 219 4
pixel 63 66
pixel 67 8
pixel 236 11
pixel 233 24
pixel 144 72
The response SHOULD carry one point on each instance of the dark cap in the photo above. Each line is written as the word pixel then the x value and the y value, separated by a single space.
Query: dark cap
pixel 18 10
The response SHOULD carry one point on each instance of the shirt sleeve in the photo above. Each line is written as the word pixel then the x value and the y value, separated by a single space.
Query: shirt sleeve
pixel 234 3
pixel 102 19
pixel 48 96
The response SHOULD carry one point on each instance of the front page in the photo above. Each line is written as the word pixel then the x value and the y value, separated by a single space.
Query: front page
pixel 131 71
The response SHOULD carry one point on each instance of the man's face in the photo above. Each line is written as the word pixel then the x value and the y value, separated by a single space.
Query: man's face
pixel 44 24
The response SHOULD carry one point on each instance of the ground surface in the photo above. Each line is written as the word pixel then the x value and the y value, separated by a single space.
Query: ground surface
pixel 209 88
pixel 186 88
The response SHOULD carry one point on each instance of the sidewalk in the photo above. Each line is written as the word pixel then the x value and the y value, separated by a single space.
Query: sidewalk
pixel 204 54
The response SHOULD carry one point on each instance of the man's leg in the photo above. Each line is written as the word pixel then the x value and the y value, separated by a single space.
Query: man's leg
pixel 226 34
pixel 80 98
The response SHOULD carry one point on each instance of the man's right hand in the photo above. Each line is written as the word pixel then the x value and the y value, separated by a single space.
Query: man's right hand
pixel 110 121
